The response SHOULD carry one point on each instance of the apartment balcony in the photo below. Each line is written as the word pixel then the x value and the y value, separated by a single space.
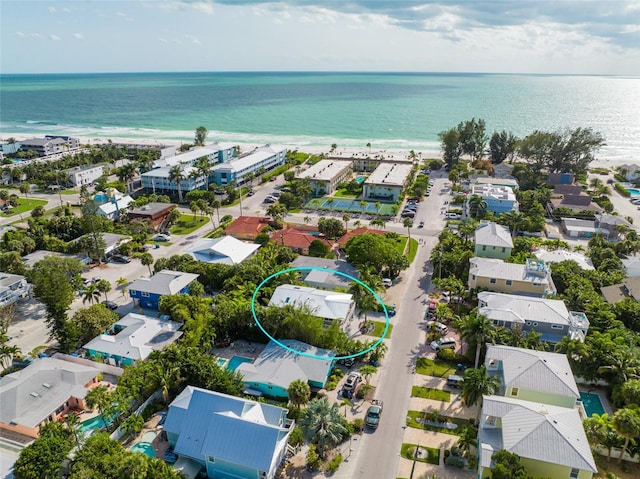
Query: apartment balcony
pixel 10 296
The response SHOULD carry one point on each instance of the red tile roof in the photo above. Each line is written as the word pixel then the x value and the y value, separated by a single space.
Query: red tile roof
pixel 247 225
pixel 296 239
pixel 356 232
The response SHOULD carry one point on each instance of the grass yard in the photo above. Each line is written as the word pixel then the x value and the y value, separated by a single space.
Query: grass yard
pixel 437 368
pixel 24 205
pixel 413 416
pixel 408 450
pixel 431 393
pixel 413 250
pixel 379 327
pixel 187 224
pixel 343 193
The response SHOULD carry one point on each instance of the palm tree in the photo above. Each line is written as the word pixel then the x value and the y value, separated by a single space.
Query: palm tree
pixel 346 218
pixel 299 392
pixel 478 383
pixel 127 173
pixel 477 206
pixel 626 422
pixel 378 353
pixel 166 377
pixel 203 167
pixel 91 294
pixel 467 439
pixel 322 424
pixel 597 428
pixel 8 352
pixel 367 371
pixel 476 330
pixel 363 205
pixel 177 176
pixel 25 188
pixel 147 260
pixel 101 398
pixel 104 286
pixel 133 424
pixel 216 205
pixel 277 212
pixel 408 223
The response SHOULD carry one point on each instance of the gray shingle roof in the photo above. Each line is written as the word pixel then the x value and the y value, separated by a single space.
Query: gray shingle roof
pixel 493 234
pixel 537 431
pixel 519 309
pixel 164 283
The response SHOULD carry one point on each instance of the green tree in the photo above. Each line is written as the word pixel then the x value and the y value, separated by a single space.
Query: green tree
pixel 330 227
pixel 346 218
pixel 177 176
pixel 478 383
pixel 277 212
pixel 299 392
pixel 92 321
pixel 450 146
pixel 507 465
pixel 102 399
pixel 43 458
pixel 91 294
pixel 476 330
pixel 367 371
pixel 133 424
pixel 598 428
pixel 25 188
pixel 103 286
pixel 626 423
pixel 322 424
pixel 147 260
pixel 200 136
pixel 318 249
pixel 377 252
pixel 408 223
pixel 502 146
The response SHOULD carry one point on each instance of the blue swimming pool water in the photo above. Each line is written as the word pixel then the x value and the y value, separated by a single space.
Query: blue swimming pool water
pixel 221 362
pixel 633 191
pixel 360 179
pixel 236 361
pixel 592 403
pixel 89 424
pixel 145 448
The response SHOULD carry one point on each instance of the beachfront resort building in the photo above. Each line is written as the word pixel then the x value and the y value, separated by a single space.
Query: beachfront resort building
pixel 387 182
pixel 549 317
pixel 277 367
pixel 44 391
pixel 50 145
pixel 227 436
pixel 326 175
pixel 493 241
pixel 214 153
pixel 530 279
pixel 132 339
pixel 499 199
pixel 13 287
pixel 223 250
pixel 148 291
pixel 327 305
pixel 84 175
pixel 536 414
pixel 261 159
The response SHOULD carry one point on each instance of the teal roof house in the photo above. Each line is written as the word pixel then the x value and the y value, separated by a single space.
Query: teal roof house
pixel 229 437
pixel 276 368
pixel 133 338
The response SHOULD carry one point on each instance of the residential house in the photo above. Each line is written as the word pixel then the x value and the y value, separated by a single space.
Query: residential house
pixel 548 317
pixel 631 266
pixel 572 198
pixel 227 436
pixel 325 273
pixel 493 241
pixel 113 205
pixel 630 172
pixel 148 291
pixel 575 228
pixel 13 287
pixel 560 255
pixel 247 227
pixel 44 391
pixel 499 199
pixel 530 279
pixel 561 178
pixel 277 367
pixel 132 339
pixel 31 259
pixel 84 175
pixel 629 288
pixel 223 250
pixel 298 240
pixel 326 175
pixel 387 182
pixel 245 166
pixel 327 305
pixel 502 181
pixel 616 225
pixel 156 214
pixel 112 241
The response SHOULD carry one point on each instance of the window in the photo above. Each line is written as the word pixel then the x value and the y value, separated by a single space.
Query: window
pixel 528 323
pixel 508 282
pixel 492 281
pixel 212 459
pixel 484 247
pixel 557 326
pixel 504 250
pixel 574 473
pixel 144 294
pixel 473 277
pixel 514 391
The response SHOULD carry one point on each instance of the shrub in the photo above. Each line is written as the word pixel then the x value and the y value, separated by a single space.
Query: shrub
pixel 358 425
pixel 330 386
pixel 261 239
pixel 455 461
pixel 313 459
pixel 447 453
pixel 621 189
pixel 226 219
pixel 334 463
pixel 455 451
pixel 152 408
pixel 296 437
pixel 446 355
pixel 362 392
pixel 349 429
pixel 337 372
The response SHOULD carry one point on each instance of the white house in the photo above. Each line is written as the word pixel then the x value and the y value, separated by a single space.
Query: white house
pixel 112 208
pixel 224 250
pixel 499 199
pixel 387 181
pixel 560 255
pixel 326 175
pixel 328 305
pixel 84 175
pixel 12 288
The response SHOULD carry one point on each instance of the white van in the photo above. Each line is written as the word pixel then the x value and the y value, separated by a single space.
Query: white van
pixel 441 328
pixel 443 343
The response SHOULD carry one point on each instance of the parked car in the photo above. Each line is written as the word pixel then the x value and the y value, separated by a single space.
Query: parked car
pixel 219 192
pixel 452 216
pixel 120 258
pixel 387 283
pixel 352 381
pixel 454 381
pixel 110 305
pixel 348 362
pixel 270 199
pixel 372 419
pixel 435 325
pixel 160 238
pixel 408 214
pixel 250 193
pixel 421 224
pixel 443 343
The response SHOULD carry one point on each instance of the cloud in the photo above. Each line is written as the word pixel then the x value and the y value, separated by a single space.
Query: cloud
pixel 78 36
pixel 55 38
pixel 124 16
pixel 37 36
pixel 192 39
pixel 20 34
pixel 163 40
pixel 204 7
pixel 52 9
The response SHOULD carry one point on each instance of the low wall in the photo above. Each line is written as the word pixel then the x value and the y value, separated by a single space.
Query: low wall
pixel 118 433
pixel 615 453
pixel 105 368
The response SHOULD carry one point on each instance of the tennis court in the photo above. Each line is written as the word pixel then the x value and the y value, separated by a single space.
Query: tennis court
pixel 351 206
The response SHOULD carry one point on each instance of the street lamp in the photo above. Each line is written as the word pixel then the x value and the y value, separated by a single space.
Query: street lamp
pixel 415 457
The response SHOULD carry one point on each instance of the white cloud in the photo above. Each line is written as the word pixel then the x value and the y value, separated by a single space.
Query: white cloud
pixel 66 10
pixel 19 34
pixel 192 39
pixel 204 7
pixel 163 40
pixel 79 36
pixel 52 9
pixel 124 16
pixel 55 38
pixel 37 36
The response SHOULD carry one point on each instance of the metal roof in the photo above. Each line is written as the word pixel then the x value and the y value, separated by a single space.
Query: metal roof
pixel 163 283
pixel 515 308
pixel 225 250
pixel 324 304
pixel 493 234
pixel 560 255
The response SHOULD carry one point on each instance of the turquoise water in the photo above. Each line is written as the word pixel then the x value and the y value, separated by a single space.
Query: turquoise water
pixel 145 448
pixel 236 361
pixel 93 423
pixel 592 404
pixel 360 179
pixel 388 110
pixel 633 191
pixel 221 362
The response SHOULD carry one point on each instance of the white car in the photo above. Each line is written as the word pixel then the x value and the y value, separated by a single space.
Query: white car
pixel 387 282
pixel 452 216
pixel 443 343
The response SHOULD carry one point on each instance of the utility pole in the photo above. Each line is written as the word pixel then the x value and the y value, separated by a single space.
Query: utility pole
pixel 415 457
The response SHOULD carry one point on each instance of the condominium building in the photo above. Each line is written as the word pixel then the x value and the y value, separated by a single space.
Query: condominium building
pixel 50 144
pixel 84 175
pixel 266 157
pixel 326 175
pixel 387 181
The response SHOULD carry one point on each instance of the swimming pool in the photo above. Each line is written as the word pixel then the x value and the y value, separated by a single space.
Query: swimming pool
pixel 236 361
pixel 221 362
pixel 89 424
pixel 144 448
pixel 360 179
pixel 592 404
pixel 633 191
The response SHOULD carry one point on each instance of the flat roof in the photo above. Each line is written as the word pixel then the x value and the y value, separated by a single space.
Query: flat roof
pixel 325 170
pixel 389 174
pixel 249 159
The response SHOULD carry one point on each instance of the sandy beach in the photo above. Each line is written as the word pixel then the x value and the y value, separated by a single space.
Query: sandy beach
pixel 390 154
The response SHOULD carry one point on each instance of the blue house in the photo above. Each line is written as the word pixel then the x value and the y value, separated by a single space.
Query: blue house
pixel 229 437
pixel 276 368
pixel 499 199
pixel 148 291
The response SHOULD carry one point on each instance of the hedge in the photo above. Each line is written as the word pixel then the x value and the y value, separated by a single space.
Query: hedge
pixel 622 190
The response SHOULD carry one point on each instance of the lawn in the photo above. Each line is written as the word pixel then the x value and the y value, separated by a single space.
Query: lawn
pixel 187 224
pixel 408 450
pixel 413 250
pixel 344 193
pixel 431 393
pixel 437 368
pixel 24 205
pixel 413 416
pixel 379 327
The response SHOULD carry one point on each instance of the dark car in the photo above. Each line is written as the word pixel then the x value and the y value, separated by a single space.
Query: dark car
pixel 408 214
pixel 110 304
pixel 120 258
pixel 421 224
pixel 348 362
pixel 372 419
pixel 250 193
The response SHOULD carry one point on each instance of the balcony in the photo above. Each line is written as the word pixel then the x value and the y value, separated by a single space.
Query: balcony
pixel 11 295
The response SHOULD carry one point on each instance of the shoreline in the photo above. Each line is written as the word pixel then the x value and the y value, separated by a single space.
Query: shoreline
pixel 346 152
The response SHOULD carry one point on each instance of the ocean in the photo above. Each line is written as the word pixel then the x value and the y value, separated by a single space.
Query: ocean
pixel 387 110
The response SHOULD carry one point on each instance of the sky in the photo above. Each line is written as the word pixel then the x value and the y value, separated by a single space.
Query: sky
pixel 501 36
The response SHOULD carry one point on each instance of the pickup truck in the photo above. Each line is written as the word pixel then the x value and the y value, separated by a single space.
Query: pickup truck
pixel 372 419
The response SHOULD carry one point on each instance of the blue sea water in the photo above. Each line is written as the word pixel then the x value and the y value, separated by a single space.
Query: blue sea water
pixel 388 110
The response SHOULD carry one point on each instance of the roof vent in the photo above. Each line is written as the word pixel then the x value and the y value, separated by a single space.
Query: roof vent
pixel 34 394
pixel 47 385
